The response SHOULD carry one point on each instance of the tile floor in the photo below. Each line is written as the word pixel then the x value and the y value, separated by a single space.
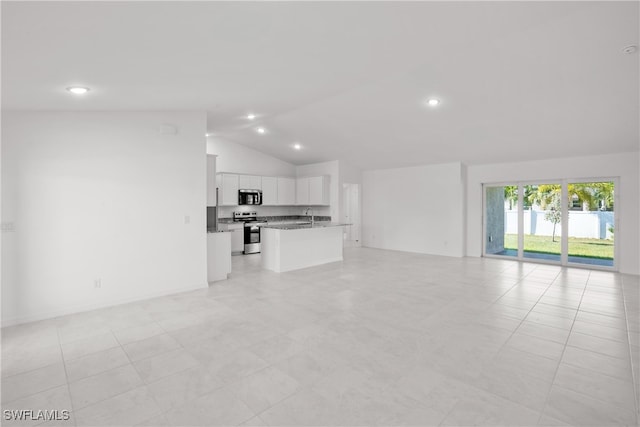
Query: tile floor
pixel 384 338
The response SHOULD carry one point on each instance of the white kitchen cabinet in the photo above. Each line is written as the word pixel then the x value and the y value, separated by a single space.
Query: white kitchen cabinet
pixel 269 190
pixel 211 180
pixel 286 191
pixel 312 191
pixel 227 189
pixel 237 240
pixel 276 191
pixel 319 190
pixel 250 182
pixel 218 256
pixel 302 191
pixel 237 236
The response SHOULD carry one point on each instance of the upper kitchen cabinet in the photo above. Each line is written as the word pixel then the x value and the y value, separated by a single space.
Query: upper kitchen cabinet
pixel 302 191
pixel 312 190
pixel 286 191
pixel 250 182
pixel 211 180
pixel 276 191
pixel 269 190
pixel 319 190
pixel 228 189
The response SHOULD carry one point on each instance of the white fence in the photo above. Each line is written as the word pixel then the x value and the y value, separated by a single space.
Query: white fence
pixel 585 224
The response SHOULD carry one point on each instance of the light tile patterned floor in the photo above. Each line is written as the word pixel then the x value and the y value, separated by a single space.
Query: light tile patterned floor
pixel 384 338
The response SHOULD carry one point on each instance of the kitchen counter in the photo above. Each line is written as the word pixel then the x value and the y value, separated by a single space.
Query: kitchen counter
pixel 291 222
pixel 281 219
pixel 289 247
pixel 218 255
pixel 298 225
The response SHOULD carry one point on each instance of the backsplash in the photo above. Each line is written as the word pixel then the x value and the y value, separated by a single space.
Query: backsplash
pixel 273 211
pixel 283 218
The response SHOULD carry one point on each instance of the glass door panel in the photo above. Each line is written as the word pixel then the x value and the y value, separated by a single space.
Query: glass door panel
pixel 542 221
pixel 571 222
pixel 501 224
pixel 591 221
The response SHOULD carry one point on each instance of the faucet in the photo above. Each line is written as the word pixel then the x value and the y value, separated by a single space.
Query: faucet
pixel 307 211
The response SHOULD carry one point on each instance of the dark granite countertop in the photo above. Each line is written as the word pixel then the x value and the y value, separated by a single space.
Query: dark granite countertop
pixel 282 219
pixel 318 224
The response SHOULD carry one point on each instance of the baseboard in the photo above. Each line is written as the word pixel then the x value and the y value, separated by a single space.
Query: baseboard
pixel 321 262
pixel 88 307
pixel 412 251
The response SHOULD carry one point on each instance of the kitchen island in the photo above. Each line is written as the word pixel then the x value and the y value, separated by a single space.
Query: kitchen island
pixel 293 246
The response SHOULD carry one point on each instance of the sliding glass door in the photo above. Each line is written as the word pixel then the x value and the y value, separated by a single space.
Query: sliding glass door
pixel 542 221
pixel 591 223
pixel 568 222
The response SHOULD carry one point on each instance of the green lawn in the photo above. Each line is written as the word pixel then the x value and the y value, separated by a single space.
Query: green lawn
pixel 590 248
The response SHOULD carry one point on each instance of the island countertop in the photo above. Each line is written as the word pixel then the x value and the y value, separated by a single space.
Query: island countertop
pixel 320 224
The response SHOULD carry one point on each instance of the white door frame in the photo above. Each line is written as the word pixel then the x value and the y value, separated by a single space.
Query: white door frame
pixel 352 206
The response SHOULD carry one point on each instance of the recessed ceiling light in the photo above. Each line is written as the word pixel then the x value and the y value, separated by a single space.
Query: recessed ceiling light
pixel 78 90
pixel 630 49
pixel 207 134
pixel 261 130
pixel 433 102
pixel 251 116
pixel 297 146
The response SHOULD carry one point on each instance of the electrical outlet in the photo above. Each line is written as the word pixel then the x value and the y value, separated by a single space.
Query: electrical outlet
pixel 187 219
pixel 97 283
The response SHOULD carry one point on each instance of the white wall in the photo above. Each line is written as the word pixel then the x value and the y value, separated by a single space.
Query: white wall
pixel 623 165
pixel 349 174
pixel 415 209
pixel 104 196
pixel 332 169
pixel 236 158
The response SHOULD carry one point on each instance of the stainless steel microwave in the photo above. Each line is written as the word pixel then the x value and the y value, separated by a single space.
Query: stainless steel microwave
pixel 249 197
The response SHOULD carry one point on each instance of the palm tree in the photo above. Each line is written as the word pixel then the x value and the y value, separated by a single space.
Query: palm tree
pixel 511 194
pixel 528 195
pixel 584 192
pixel 603 194
pixel 546 194
pixel 543 195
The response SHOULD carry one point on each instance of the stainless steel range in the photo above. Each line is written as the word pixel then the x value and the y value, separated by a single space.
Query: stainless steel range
pixel 251 230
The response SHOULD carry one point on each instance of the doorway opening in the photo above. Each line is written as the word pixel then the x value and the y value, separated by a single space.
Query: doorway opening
pixel 351 214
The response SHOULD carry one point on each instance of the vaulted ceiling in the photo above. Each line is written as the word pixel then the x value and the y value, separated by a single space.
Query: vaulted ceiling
pixel 345 80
